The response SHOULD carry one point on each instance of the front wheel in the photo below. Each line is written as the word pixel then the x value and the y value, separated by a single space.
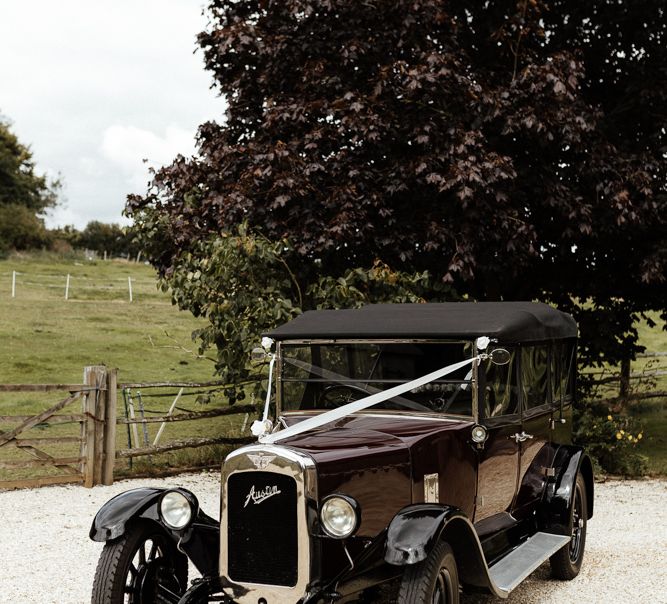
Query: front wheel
pixel 141 567
pixel 433 581
pixel 566 562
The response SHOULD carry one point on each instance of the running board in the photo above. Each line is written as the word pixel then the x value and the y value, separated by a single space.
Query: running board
pixel 509 571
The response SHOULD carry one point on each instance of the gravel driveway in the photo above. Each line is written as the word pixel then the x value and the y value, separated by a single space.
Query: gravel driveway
pixel 47 557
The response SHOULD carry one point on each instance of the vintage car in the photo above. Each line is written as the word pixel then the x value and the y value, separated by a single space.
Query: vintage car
pixel 415 452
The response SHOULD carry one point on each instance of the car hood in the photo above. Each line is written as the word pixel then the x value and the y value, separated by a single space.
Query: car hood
pixel 377 459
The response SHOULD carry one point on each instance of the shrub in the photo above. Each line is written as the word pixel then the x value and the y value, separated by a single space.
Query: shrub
pixel 611 439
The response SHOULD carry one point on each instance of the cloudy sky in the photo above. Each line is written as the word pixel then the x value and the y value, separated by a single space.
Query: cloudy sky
pixel 95 87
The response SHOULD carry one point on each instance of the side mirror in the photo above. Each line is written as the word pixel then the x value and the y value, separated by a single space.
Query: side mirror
pixel 259 355
pixel 500 356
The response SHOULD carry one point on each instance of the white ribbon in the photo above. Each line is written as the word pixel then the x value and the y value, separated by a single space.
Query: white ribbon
pixel 364 403
pixel 260 427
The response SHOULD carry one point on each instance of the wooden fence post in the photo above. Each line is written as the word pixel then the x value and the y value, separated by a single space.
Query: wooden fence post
pixel 110 427
pixel 94 403
pixel 624 390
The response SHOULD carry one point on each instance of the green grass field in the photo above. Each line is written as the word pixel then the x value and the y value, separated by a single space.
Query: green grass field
pixel 47 339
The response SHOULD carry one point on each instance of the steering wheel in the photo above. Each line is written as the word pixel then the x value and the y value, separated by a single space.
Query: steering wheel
pixel 338 395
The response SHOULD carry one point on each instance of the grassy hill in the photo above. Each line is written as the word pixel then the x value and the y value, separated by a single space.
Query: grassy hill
pixel 46 338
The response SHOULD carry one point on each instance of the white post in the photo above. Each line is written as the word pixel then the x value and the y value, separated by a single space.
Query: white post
pixel 67 288
pixel 135 430
pixel 129 286
pixel 171 410
pixel 105 255
pixel 13 284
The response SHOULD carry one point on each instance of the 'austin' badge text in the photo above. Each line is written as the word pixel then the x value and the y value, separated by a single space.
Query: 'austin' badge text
pixel 262 495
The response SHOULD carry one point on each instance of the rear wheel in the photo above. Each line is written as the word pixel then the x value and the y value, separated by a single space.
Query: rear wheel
pixel 566 562
pixel 141 567
pixel 433 581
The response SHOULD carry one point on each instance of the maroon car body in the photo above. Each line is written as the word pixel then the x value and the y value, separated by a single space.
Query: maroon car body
pixel 468 481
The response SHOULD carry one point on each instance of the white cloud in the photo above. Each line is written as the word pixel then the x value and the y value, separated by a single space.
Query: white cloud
pixel 135 149
pixel 95 87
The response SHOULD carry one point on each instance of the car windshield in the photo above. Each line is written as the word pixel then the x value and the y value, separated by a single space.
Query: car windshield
pixel 325 376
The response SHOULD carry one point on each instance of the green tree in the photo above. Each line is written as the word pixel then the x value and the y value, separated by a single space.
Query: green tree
pixel 24 195
pixel 19 182
pixel 512 149
pixel 106 237
pixel 20 229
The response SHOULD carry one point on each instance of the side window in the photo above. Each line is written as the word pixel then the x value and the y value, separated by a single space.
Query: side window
pixel 569 370
pixel 534 375
pixel 501 395
pixel 558 371
pixel 562 371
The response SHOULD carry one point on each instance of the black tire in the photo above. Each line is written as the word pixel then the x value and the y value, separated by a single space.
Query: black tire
pixel 433 581
pixel 141 567
pixel 566 562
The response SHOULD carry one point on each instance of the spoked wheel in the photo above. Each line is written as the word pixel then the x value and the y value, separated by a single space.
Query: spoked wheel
pixel 141 567
pixel 566 563
pixel 433 581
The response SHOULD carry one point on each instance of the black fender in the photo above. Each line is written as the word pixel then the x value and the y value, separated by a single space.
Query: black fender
pixel 200 541
pixel 416 529
pixel 112 518
pixel 569 461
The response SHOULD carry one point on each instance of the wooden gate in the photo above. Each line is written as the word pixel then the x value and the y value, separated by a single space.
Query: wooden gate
pixel 93 464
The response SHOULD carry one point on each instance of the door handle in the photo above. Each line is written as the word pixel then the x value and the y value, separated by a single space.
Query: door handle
pixel 520 437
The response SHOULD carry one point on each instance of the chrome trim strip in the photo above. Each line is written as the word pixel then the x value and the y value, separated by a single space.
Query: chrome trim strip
pixel 463 419
pixel 301 468
pixel 376 341
pixel 475 384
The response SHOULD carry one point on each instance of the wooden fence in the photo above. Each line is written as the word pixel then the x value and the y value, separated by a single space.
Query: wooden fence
pixel 628 383
pixel 99 421
pixel 94 462
pixel 132 452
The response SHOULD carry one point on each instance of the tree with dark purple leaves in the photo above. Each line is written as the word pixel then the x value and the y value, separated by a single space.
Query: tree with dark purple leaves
pixel 509 149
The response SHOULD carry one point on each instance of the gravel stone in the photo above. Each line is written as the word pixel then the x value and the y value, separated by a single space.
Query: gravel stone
pixel 47 556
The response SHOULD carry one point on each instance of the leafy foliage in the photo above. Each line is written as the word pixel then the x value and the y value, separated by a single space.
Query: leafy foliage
pixel 20 228
pixel 103 237
pixel 24 195
pixel 611 439
pixel 242 283
pixel 512 149
pixel 20 185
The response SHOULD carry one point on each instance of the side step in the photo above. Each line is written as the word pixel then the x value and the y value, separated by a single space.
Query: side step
pixel 509 571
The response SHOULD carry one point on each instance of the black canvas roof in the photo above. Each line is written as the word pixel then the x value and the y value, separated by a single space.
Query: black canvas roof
pixel 506 321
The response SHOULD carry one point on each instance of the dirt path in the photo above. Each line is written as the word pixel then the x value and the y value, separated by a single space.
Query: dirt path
pixel 46 556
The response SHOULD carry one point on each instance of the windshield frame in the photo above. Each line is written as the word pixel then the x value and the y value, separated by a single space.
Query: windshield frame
pixel 408 412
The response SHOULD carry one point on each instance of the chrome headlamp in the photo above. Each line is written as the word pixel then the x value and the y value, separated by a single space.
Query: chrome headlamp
pixel 340 516
pixel 177 510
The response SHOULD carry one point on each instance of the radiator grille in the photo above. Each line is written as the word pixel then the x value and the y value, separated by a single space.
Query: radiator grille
pixel 262 537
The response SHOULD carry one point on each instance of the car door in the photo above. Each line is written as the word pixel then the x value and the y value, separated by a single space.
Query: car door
pixel 498 459
pixel 535 437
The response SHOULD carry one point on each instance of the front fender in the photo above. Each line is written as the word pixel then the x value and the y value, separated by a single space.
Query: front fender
pixel 112 518
pixel 416 529
pixel 200 541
